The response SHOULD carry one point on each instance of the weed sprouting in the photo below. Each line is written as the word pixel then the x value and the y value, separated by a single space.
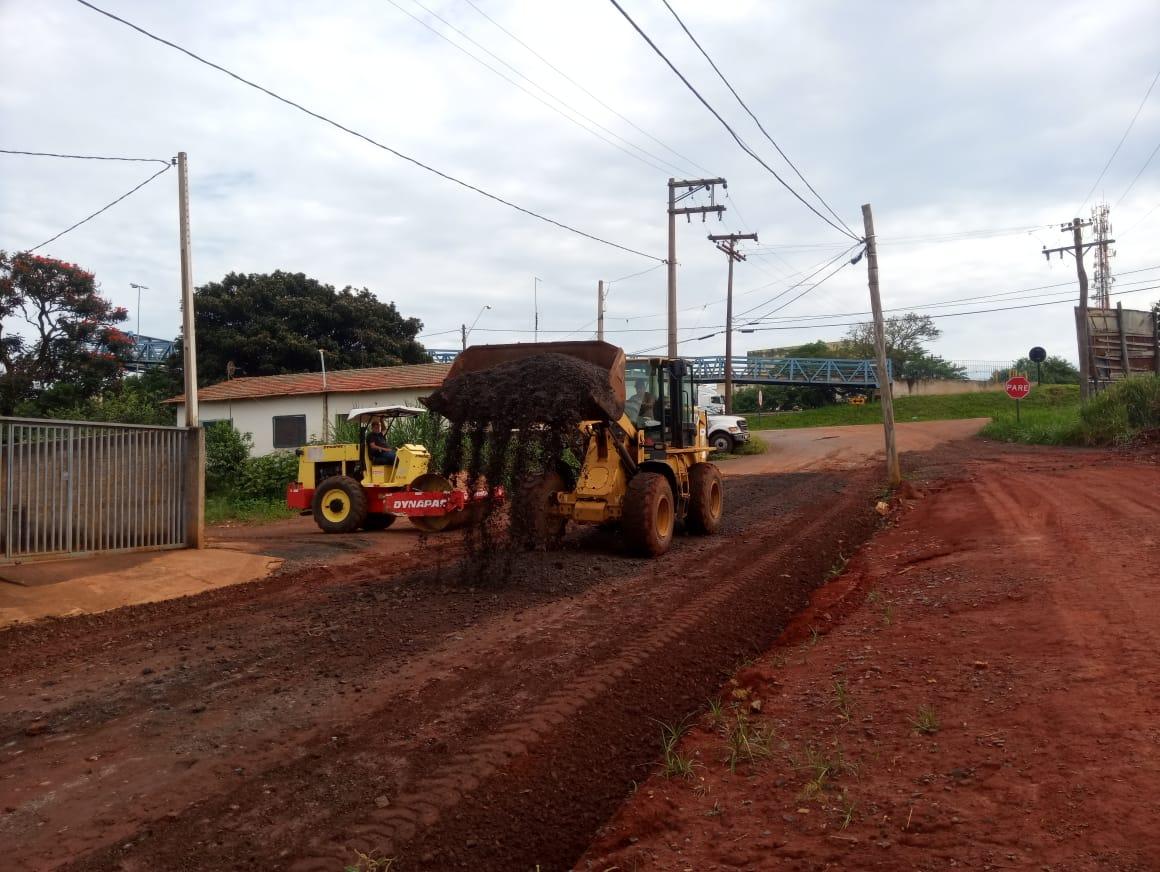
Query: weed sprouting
pixel 674 764
pixel 926 722
pixel 824 767
pixel 747 741
pixel 842 700
pixel 847 807
pixel 716 711
pixel 369 863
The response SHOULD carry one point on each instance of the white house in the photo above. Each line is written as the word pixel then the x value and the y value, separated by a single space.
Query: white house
pixel 286 411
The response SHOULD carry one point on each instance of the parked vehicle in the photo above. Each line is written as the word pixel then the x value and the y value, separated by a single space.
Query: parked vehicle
pixel 727 432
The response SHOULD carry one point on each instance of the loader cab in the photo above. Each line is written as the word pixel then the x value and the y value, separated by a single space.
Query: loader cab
pixel 662 400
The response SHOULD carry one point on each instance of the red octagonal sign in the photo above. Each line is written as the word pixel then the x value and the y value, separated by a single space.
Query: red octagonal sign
pixel 1018 387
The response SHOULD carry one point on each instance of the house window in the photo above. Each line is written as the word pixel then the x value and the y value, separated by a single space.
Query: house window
pixel 289 431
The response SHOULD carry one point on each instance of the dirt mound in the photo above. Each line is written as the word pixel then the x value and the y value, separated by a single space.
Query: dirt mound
pixel 550 390
pixel 514 423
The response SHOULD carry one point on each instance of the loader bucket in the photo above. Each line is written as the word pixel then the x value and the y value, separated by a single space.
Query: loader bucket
pixel 606 360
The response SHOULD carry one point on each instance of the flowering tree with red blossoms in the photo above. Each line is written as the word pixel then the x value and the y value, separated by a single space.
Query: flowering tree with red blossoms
pixel 59 343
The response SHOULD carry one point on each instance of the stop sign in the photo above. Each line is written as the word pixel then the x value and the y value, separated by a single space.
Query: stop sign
pixel 1018 387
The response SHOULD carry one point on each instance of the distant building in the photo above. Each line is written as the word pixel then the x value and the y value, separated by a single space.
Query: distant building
pixel 788 350
pixel 286 411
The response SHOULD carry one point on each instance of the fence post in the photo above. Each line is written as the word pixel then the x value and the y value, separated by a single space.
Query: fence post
pixel 195 487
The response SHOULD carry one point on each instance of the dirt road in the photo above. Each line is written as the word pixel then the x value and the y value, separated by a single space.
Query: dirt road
pixel 393 707
pixel 978 690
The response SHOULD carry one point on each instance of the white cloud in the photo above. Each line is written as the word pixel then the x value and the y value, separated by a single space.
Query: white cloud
pixel 946 116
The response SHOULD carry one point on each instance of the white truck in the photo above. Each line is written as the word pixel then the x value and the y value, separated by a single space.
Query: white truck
pixel 727 432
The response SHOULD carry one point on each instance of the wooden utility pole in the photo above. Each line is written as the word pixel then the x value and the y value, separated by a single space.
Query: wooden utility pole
pixel 195 454
pixel 893 470
pixel 690 187
pixel 728 244
pixel 600 310
pixel 1077 249
pixel 463 337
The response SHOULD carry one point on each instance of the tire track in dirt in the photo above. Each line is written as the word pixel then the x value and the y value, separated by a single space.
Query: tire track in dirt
pixel 506 687
pixel 449 785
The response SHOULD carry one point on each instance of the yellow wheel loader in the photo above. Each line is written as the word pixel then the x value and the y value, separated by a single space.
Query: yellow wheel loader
pixel 644 464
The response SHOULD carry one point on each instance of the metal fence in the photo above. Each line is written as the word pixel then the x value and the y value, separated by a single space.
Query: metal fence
pixel 70 488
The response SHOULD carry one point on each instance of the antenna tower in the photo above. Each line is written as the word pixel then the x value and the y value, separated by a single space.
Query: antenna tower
pixel 1102 226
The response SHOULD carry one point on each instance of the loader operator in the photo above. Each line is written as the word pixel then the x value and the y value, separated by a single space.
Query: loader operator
pixel 640 404
pixel 381 451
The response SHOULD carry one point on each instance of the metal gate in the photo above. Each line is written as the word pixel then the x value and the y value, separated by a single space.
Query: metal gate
pixel 69 487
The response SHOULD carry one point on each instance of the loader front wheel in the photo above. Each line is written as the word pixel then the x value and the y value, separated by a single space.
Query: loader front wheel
pixel 533 522
pixel 339 506
pixel 706 499
pixel 649 514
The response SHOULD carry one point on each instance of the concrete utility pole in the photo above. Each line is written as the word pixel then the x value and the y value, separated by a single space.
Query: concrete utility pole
pixel 728 244
pixel 536 308
pixel 600 310
pixel 690 187
pixel 195 457
pixel 464 330
pixel 893 470
pixel 1077 249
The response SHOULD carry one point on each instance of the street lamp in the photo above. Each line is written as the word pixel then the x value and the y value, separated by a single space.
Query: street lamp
pixel 467 330
pixel 139 288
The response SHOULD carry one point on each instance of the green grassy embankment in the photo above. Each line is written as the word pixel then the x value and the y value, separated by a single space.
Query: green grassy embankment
pixel 220 509
pixel 1049 402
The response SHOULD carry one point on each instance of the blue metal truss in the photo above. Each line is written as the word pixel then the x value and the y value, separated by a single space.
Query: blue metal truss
pixel 830 372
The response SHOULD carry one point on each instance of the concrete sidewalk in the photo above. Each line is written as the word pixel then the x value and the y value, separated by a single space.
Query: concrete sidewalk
pixel 84 585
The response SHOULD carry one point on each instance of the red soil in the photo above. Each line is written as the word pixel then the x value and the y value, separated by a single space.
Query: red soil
pixel 1019 603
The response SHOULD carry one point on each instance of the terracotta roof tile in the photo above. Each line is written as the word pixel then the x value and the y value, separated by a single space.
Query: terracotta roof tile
pixel 379 378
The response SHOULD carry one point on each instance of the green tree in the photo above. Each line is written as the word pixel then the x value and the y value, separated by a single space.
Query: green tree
pixel 905 337
pixel 273 323
pixel 68 348
pixel 1056 371
pixel 136 399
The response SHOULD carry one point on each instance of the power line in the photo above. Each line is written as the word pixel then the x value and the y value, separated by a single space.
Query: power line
pixel 366 138
pixel 1067 299
pixel 1136 178
pixel 1116 150
pixel 636 274
pixel 86 156
pixel 577 85
pixel 724 123
pixel 1021 294
pixel 799 283
pixel 756 121
pixel 536 97
pixel 165 169
pixel 810 289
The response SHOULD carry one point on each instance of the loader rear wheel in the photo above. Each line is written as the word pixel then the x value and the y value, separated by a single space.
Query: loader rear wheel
pixel 378 521
pixel 533 523
pixel 649 514
pixel 339 505
pixel 706 499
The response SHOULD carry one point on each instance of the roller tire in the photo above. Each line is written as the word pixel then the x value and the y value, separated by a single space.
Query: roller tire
pixel 378 521
pixel 339 505
pixel 650 514
pixel 532 524
pixel 706 499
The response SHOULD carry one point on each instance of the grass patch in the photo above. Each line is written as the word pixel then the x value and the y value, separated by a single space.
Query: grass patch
pixel 926 721
pixel 983 404
pixel 1114 416
pixel 220 509
pixel 674 764
pixel 746 741
pixel 755 445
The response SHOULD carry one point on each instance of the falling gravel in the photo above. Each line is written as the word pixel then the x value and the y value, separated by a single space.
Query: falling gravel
pixel 510 424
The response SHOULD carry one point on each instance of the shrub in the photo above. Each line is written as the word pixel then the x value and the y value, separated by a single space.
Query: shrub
pixel 226 453
pixel 266 477
pixel 1119 412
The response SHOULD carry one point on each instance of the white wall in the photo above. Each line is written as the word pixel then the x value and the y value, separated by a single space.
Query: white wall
pixel 256 416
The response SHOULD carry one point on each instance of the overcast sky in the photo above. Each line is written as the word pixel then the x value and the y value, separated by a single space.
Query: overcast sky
pixel 949 117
